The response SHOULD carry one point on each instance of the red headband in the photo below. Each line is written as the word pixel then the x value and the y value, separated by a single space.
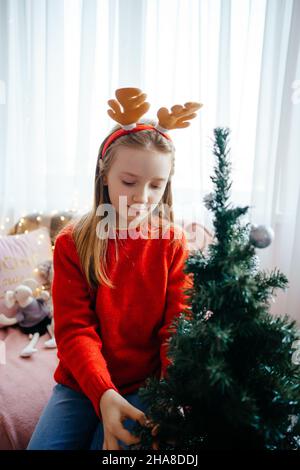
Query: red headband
pixel 120 132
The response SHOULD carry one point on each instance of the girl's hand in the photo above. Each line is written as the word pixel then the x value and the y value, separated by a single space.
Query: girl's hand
pixel 114 410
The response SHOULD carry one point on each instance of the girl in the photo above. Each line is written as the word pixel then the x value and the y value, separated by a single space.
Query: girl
pixel 116 290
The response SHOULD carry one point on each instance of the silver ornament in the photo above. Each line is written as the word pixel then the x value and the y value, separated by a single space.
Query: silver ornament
pixel 296 357
pixel 296 344
pixel 261 236
pixel 296 354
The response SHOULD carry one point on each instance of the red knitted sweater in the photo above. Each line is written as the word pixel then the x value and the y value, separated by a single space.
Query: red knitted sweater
pixel 115 338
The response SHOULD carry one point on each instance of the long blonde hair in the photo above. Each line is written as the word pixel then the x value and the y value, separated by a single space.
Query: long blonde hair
pixel 92 250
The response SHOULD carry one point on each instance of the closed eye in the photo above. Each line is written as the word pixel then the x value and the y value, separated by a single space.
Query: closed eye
pixel 131 184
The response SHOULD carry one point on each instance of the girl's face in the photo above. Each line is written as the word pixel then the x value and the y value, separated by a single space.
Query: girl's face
pixel 136 183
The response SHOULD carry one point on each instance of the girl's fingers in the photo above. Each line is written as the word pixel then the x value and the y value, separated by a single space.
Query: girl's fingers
pixel 142 419
pixel 134 413
pixel 112 443
pixel 125 436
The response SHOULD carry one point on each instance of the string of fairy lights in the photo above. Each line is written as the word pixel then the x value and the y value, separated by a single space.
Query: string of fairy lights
pixel 8 223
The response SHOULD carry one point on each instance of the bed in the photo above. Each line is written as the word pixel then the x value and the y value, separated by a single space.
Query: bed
pixel 25 387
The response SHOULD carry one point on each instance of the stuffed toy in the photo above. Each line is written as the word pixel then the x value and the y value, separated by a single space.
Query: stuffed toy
pixel 44 274
pixel 33 315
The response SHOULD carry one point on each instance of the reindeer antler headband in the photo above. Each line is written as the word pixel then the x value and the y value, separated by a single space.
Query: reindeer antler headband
pixel 135 106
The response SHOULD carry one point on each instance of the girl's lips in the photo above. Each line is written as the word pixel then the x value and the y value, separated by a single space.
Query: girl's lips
pixel 138 209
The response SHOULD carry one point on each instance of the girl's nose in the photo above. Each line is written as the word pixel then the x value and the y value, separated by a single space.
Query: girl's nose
pixel 141 198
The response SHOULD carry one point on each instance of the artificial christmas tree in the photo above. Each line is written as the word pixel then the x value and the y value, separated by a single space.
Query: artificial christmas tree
pixel 234 381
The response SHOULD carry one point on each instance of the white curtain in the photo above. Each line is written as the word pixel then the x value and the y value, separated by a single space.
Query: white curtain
pixel 61 60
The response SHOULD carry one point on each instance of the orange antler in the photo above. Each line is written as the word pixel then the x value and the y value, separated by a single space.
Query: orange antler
pixel 178 116
pixel 133 103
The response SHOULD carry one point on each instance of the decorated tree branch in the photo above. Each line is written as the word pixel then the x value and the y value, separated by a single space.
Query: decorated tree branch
pixel 234 380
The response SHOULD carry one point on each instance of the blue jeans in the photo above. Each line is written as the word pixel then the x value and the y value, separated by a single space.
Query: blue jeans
pixel 69 422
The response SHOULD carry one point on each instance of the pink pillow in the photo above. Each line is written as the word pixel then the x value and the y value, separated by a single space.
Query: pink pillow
pixel 19 256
